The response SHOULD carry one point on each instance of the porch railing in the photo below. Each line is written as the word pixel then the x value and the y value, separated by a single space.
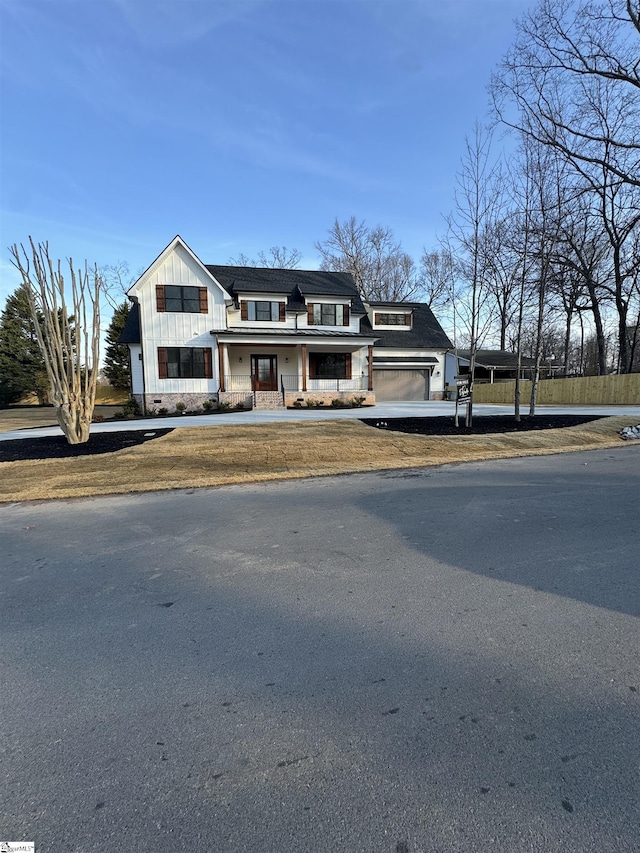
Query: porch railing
pixel 294 383
pixel 238 382
pixel 291 382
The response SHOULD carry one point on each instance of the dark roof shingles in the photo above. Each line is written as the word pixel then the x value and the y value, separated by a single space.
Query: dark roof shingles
pixel 425 331
pixel 295 283
pixel 131 332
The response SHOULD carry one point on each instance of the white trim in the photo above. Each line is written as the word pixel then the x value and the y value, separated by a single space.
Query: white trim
pixel 164 254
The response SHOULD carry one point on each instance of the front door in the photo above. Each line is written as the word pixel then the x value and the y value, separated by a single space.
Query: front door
pixel 264 372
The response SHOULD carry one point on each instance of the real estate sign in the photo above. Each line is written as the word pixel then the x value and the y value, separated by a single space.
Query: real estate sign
pixel 464 389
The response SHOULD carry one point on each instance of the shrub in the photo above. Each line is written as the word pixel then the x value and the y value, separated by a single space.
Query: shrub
pixel 163 411
pixel 208 405
pixel 224 407
pixel 97 419
pixel 181 407
pixel 131 408
pixel 239 407
pixel 357 402
pixel 338 403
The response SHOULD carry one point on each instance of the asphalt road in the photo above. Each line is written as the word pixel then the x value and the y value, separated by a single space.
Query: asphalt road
pixel 429 660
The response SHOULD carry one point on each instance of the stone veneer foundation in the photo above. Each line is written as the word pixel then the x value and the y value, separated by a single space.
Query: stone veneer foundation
pixel 326 398
pixel 193 402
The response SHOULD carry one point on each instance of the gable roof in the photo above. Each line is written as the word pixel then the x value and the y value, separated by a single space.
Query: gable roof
pixel 425 330
pixel 172 246
pixel 297 284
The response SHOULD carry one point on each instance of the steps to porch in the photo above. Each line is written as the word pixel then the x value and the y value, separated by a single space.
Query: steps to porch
pixel 268 400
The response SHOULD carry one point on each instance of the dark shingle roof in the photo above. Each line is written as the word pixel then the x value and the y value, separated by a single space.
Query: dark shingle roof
pixel 131 332
pixel 426 332
pixel 296 283
pixel 496 358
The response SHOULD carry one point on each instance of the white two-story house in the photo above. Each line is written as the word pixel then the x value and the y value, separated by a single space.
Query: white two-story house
pixel 267 337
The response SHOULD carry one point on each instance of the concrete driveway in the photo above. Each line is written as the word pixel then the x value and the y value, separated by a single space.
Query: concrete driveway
pixel 400 662
pixel 383 411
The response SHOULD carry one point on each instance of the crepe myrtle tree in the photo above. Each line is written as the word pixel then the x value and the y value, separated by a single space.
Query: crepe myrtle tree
pixel 67 330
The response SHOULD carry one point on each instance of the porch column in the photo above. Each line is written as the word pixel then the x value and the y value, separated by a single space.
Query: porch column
pixel 370 369
pixel 222 348
pixel 303 352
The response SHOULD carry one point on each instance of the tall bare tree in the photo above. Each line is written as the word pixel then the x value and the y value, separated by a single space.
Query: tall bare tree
pixel 68 333
pixel 478 198
pixel 564 51
pixel 548 184
pixel 434 279
pixel 278 257
pixel 382 271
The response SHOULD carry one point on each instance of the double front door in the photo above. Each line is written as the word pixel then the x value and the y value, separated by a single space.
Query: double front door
pixel 264 372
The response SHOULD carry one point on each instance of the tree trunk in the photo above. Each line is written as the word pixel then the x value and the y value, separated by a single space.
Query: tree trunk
pixel 73 422
pixel 567 344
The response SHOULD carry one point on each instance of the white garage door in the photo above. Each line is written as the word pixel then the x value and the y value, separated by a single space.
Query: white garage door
pixel 401 384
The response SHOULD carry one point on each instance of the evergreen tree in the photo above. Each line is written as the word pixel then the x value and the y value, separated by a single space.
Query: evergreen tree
pixel 22 369
pixel 116 358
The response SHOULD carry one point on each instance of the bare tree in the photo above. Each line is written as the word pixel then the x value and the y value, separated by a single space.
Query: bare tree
pixel 504 261
pixel 115 280
pixel 434 278
pixel 382 271
pixel 548 185
pixel 68 335
pixel 478 198
pixel 278 257
pixel 564 52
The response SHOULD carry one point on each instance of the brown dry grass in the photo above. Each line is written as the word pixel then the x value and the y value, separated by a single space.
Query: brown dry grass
pixel 215 456
pixel 41 416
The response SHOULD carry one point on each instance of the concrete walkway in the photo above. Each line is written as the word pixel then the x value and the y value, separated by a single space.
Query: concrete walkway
pixel 382 411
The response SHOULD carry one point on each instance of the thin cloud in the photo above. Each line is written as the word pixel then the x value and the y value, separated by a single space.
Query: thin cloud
pixel 166 22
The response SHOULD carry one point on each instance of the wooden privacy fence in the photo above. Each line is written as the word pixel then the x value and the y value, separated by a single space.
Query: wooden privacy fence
pixel 581 391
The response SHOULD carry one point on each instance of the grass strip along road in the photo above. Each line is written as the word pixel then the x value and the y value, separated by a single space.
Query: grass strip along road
pixel 198 458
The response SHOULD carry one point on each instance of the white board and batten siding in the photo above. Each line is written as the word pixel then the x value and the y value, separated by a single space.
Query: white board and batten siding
pixel 137 379
pixel 177 329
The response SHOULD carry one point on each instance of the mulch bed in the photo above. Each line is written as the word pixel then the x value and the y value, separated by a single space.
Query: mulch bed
pixel 482 424
pixel 56 446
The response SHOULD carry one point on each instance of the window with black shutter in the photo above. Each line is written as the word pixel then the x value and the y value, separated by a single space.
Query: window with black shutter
pixel 324 314
pixel 177 298
pixel 185 363
pixel 262 311
pixel 330 365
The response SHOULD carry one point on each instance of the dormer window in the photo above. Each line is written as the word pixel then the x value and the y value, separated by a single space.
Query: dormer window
pixel 392 318
pixel 261 311
pixel 325 314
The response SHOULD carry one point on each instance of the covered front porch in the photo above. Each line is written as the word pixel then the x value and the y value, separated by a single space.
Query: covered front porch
pixel 272 373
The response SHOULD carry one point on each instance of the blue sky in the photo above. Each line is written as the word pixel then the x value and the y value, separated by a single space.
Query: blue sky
pixel 239 124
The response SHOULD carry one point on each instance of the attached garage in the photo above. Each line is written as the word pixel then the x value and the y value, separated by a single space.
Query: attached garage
pixel 401 384
pixel 408 356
